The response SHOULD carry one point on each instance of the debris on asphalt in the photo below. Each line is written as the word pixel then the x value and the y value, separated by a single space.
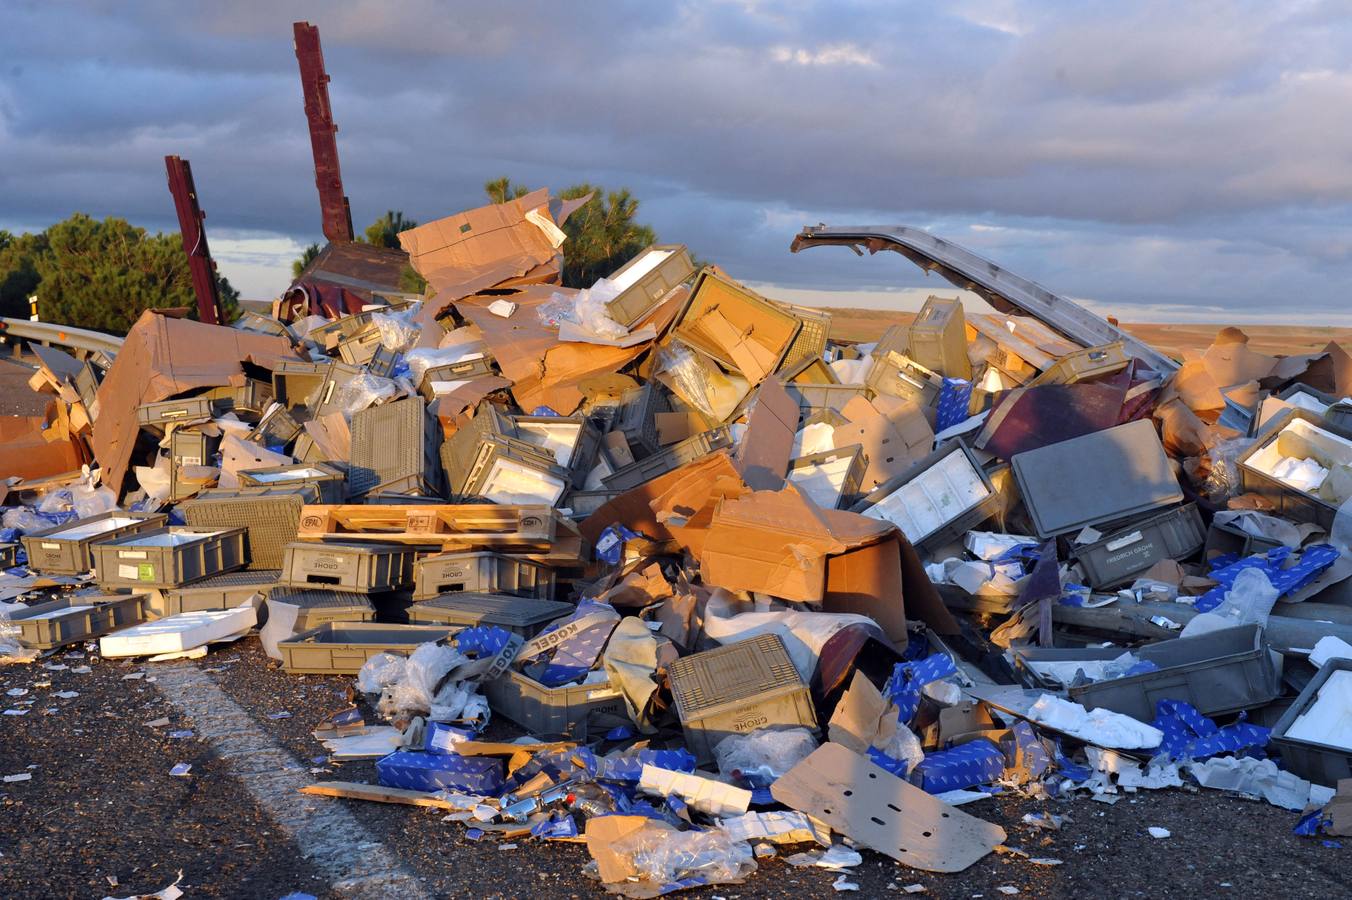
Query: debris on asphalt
pixel 741 588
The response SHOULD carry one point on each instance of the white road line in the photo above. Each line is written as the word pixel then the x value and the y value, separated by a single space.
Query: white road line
pixel 328 835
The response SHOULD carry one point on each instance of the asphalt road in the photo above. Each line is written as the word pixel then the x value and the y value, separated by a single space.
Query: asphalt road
pixel 102 807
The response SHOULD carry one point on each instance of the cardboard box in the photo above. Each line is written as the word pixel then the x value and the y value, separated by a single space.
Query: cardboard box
pixel 418 771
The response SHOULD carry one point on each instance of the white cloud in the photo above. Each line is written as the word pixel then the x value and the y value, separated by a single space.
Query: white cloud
pixel 827 55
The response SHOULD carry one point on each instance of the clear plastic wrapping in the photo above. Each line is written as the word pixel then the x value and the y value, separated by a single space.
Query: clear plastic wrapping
pixel 363 391
pixel 663 856
pixel 765 753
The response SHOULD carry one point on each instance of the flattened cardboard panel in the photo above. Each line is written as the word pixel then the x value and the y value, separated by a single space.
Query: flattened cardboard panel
pixel 884 813
pixel 764 455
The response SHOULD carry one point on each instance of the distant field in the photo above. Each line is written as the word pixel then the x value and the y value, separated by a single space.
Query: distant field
pixel 869 324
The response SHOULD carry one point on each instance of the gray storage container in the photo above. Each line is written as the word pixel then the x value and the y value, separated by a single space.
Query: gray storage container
pixel 459 451
pixel 253 396
pixel 678 454
pixel 270 515
pixel 320 607
pixel 507 470
pixel 937 500
pixel 225 591
pixel 71 619
pixel 366 568
pixel 460 370
pixel 261 324
pixel 1317 761
pixel 832 478
pixel 646 279
pixel 898 375
pixel 342 648
pixel 637 418
pixel 329 480
pixel 277 427
pixel 481 572
pixel 736 689
pixel 1220 672
pixel 169 557
pixel 551 711
pixel 1106 476
pixel 296 383
pixel 1130 551
pixel 394 442
pixel 64 549
pixel 9 555
pixel 1224 538
pixel 573 440
pixel 525 616
pixel 810 342
pixel 165 412
pixel 1339 416
pixel 193 448
pixel 1309 430
pixel 383 362
pixel 584 503
pixel 825 396
pixel 357 349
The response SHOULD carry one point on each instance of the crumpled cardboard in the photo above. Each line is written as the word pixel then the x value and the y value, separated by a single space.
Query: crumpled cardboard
pixel 878 810
pixel 863 718
pixel 894 433
pixel 544 370
pixel 680 493
pixel 763 456
pixel 160 358
pixel 517 241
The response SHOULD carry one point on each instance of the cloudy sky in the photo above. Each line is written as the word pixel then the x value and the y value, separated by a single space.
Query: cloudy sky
pixel 1165 161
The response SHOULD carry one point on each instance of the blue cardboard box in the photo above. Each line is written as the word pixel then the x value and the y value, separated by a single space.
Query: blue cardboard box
pixel 976 762
pixel 416 771
pixel 442 738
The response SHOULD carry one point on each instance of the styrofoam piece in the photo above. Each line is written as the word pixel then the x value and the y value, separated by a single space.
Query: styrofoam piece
pixel 175 634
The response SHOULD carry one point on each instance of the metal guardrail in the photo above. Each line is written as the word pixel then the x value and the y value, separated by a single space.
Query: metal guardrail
pixel 63 335
pixel 1002 289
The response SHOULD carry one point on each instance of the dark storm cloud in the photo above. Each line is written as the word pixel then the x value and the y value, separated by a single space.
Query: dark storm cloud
pixel 1134 153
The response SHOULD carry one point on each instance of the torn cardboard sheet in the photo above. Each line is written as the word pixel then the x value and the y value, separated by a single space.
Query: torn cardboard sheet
pixel 878 810
pixel 763 457
pixel 160 358
pixel 777 827
pixel 863 718
pixel 893 440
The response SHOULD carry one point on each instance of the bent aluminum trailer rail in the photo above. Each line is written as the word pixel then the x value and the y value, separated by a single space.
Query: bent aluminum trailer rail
pixel 62 335
pixel 1003 290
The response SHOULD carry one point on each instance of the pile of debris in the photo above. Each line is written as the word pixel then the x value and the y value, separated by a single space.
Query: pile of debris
pixel 747 590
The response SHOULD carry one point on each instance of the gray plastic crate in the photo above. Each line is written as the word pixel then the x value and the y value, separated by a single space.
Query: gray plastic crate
pixel 65 549
pixel 574 441
pixel 276 427
pixel 1221 672
pixel 9 555
pixel 645 279
pixel 1127 552
pixel 1106 476
pixel 270 515
pixel 320 607
pixel 193 448
pixel 674 456
pixel 224 591
pixel 358 349
pixel 637 418
pixel 342 648
pixel 354 568
pixel 818 474
pixel 584 503
pixel 736 689
pixel 825 396
pixel 525 616
pixel 330 481
pixel 393 442
pixel 461 370
pixel 1321 763
pixel 937 500
pixel 1339 416
pixel 165 412
pixel 810 342
pixel 898 375
pixel 296 383
pixel 496 456
pixel 483 572
pixel 253 396
pixel 261 324
pixel 169 557
pixel 383 362
pixel 549 711
pixel 459 451
pixel 70 620
pixel 1226 538
pixel 1293 503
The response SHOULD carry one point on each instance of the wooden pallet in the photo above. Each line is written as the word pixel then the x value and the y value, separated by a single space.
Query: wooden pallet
pixel 453 526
